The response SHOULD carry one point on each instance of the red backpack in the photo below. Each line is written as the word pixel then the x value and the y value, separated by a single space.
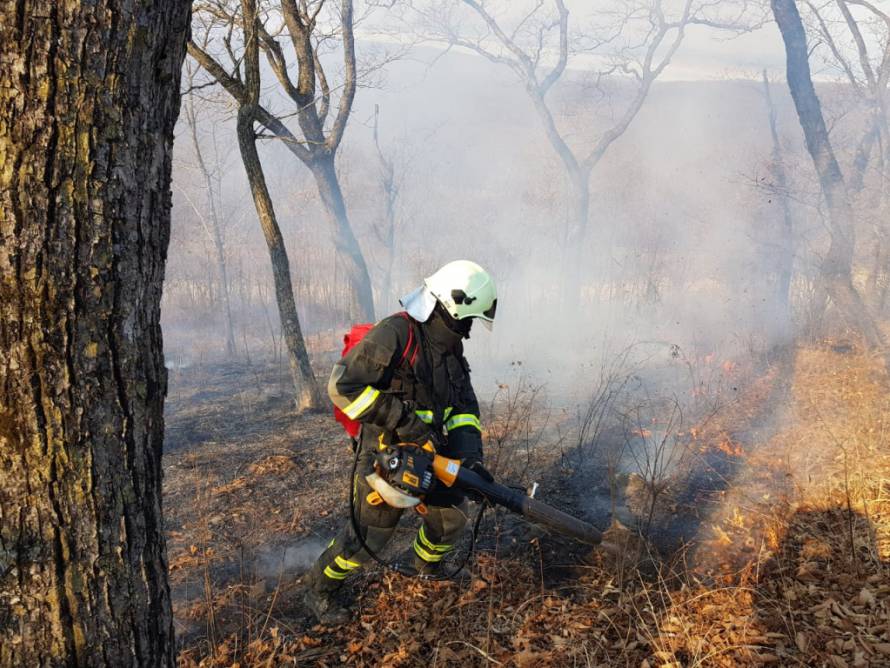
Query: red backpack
pixel 350 341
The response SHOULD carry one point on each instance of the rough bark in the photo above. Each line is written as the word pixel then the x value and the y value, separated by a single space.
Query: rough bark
pixel 89 94
pixel 837 266
pixel 307 395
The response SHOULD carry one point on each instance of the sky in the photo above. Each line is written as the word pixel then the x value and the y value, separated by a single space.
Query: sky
pixel 706 54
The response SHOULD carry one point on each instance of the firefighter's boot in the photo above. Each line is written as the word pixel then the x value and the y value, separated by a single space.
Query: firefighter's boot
pixel 322 585
pixel 419 567
pixel 325 608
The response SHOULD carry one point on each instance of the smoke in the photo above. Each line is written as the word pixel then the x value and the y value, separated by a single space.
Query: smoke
pixel 680 261
pixel 675 250
pixel 288 559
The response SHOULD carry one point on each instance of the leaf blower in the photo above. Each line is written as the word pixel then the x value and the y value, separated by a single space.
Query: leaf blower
pixel 404 473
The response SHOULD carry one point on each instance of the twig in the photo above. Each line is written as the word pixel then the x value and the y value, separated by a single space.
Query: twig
pixel 484 654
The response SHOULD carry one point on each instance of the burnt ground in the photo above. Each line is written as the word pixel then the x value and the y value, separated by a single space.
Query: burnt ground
pixel 253 493
pixel 248 488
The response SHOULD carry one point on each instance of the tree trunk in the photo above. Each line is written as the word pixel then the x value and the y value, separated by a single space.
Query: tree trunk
pixel 215 232
pixel 874 206
pixel 390 198
pixel 389 239
pixel 579 212
pixel 579 183
pixel 878 279
pixel 305 386
pixel 88 100
pixel 837 266
pixel 574 270
pixel 784 265
pixel 325 174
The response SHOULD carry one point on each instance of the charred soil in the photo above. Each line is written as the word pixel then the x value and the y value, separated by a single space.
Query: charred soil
pixel 787 563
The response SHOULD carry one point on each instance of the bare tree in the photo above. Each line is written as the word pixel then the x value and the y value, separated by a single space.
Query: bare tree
pixel 307 394
pixel 212 224
pixel 386 232
pixel 837 265
pixel 644 39
pixel 219 35
pixel 89 95
pixel 851 43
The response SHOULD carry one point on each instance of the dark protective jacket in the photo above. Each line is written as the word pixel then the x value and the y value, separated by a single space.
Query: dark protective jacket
pixel 406 400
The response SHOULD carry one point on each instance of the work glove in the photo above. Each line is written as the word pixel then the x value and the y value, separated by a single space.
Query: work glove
pixel 421 436
pixel 437 439
pixel 474 464
pixel 411 429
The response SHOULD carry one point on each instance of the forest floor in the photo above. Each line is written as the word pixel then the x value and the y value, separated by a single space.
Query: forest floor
pixel 782 556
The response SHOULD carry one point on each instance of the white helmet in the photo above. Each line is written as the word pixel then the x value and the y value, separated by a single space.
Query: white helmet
pixel 465 290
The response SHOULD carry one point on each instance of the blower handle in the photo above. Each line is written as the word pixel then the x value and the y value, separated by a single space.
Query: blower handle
pixel 532 509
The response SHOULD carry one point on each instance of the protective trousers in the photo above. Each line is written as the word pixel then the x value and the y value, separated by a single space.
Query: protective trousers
pixel 442 525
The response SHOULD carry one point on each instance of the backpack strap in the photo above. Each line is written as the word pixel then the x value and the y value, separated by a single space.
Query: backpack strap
pixel 407 354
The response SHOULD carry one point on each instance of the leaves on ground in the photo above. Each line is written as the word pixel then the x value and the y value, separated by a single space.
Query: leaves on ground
pixel 791 565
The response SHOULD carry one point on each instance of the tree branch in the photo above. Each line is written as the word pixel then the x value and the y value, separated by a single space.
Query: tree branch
pixel 238 91
pixel 325 102
pixel 346 98
pixel 646 77
pixel 832 45
pixel 860 44
pixel 521 57
pixel 560 66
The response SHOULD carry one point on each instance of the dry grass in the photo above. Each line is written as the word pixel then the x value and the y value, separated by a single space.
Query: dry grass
pixel 791 566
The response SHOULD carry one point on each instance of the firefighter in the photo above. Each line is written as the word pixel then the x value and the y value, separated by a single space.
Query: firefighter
pixel 404 393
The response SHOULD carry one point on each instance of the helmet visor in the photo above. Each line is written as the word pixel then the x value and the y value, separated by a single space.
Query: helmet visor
pixel 491 310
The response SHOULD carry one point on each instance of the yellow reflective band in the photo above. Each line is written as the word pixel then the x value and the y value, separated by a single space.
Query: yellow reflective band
pixel 362 403
pixel 425 416
pixel 447 412
pixel 332 541
pixel 427 556
pixel 345 563
pixel 429 544
pixel 463 420
pixel 334 575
